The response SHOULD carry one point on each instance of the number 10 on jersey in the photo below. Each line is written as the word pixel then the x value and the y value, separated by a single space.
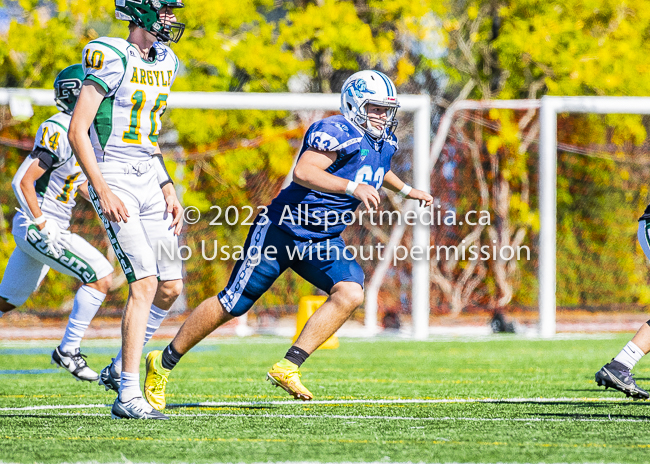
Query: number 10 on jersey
pixel 139 99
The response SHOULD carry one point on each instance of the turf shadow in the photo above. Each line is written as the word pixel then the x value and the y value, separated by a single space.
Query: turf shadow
pixel 199 405
pixel 40 416
pixel 591 390
pixel 630 402
pixel 551 403
pixel 592 416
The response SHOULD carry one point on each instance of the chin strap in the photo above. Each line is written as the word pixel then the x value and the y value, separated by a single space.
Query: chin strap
pixel 377 133
pixel 369 129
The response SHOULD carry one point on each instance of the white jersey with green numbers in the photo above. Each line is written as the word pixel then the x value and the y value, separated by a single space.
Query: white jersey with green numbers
pixel 57 187
pixel 127 124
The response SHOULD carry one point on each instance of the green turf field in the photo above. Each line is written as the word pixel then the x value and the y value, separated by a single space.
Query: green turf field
pixel 504 400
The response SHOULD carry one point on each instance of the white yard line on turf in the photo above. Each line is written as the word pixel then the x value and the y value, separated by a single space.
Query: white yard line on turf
pixel 387 418
pixel 57 406
pixel 399 401
pixel 341 402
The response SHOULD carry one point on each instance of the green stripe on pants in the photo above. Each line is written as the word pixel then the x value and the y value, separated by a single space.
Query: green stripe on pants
pixel 121 257
pixel 75 264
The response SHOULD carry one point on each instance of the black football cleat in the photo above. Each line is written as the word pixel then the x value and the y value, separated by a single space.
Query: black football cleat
pixel 107 379
pixel 617 376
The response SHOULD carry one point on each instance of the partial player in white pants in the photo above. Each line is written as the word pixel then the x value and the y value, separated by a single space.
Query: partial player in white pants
pixel 45 186
pixel 616 374
pixel 27 267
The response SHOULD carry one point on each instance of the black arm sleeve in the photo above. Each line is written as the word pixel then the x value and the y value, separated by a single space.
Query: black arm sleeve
pixel 45 158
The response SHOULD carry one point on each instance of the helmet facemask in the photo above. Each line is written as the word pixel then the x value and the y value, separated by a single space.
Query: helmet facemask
pixel 146 14
pixel 66 95
pixel 386 126
pixel 67 88
pixel 170 31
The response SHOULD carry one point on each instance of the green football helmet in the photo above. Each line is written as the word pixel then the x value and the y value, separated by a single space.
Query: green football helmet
pixel 67 87
pixel 144 14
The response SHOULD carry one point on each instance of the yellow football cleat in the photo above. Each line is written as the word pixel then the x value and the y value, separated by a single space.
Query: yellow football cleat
pixel 286 374
pixel 156 380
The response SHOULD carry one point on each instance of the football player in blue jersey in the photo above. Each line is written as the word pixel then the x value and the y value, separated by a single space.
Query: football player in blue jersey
pixel 343 162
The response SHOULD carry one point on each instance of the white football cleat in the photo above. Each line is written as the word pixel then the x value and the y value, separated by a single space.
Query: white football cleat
pixel 75 364
pixel 136 408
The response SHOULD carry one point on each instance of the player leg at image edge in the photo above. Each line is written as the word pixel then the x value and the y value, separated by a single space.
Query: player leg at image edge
pixel 616 374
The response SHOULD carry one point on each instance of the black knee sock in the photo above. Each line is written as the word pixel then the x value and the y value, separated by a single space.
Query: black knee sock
pixel 296 355
pixel 170 357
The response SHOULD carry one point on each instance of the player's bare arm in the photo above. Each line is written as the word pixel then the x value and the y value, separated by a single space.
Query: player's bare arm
pixel 173 207
pixel 395 184
pixel 33 173
pixel 310 172
pixel 83 191
pixel 89 100
pixel 23 185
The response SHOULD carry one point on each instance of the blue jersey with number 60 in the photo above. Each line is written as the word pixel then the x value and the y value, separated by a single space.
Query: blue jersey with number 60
pixel 311 214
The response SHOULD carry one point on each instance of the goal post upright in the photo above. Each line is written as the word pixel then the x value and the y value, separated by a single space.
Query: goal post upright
pixel 420 270
pixel 547 217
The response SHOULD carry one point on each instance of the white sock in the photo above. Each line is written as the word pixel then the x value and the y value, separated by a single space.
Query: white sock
pixel 86 303
pixel 156 316
pixel 629 355
pixel 129 386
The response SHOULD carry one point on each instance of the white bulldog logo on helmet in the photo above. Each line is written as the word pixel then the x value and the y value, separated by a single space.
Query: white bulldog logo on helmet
pixel 359 87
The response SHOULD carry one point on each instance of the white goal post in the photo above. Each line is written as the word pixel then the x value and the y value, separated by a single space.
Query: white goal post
pixel 550 107
pixel 425 156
